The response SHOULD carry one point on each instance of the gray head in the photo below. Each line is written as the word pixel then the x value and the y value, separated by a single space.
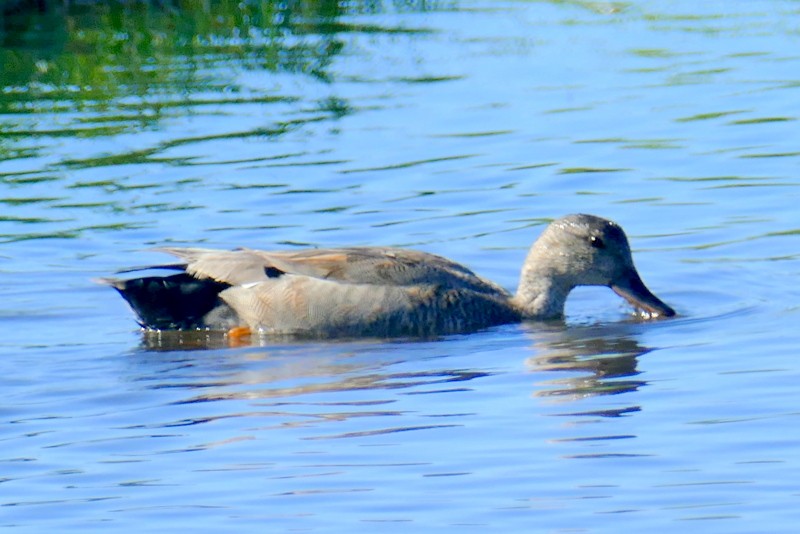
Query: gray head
pixel 582 250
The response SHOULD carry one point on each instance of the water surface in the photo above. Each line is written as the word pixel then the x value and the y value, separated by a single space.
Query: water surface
pixel 460 128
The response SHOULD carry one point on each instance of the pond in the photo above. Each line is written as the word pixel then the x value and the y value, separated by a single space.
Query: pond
pixel 455 127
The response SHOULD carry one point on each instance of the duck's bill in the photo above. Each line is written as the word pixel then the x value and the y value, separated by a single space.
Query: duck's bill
pixel 634 291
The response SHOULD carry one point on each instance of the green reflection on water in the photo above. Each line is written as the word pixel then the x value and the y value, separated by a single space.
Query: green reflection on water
pixel 584 170
pixel 709 116
pixel 94 52
pixel 762 120
pixel 86 55
pixel 101 70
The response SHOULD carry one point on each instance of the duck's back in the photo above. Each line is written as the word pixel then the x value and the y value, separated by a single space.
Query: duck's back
pixel 355 265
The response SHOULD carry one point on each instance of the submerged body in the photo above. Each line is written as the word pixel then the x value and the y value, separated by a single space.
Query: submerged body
pixel 382 292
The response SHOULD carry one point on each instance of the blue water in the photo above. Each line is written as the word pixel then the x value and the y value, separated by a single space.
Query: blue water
pixel 459 128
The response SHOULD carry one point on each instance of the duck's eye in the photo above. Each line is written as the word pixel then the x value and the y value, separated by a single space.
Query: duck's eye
pixel 597 242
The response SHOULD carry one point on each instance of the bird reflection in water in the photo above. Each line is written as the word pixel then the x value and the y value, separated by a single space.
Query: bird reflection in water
pixel 590 361
pixel 587 361
pixel 281 382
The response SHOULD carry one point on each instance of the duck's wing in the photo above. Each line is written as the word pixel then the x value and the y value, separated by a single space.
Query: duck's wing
pixel 355 265
pixel 234 267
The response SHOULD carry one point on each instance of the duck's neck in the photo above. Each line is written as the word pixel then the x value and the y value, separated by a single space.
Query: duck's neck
pixel 542 290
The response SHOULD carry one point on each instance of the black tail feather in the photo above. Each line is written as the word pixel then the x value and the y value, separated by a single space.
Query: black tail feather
pixel 175 302
pixel 169 267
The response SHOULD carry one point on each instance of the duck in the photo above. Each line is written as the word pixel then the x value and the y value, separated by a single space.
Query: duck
pixel 383 292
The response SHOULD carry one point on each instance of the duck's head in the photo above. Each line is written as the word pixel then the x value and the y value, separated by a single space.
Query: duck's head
pixel 579 250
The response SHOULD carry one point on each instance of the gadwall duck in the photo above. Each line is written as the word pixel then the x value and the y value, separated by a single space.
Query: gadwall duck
pixel 381 291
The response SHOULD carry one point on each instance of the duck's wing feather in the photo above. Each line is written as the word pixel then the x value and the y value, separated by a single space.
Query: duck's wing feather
pixel 234 267
pixel 355 265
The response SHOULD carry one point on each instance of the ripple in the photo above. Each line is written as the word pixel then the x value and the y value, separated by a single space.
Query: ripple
pixel 462 130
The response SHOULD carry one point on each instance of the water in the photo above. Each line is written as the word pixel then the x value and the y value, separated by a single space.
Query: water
pixel 454 127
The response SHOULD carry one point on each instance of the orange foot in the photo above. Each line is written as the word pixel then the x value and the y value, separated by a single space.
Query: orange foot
pixel 239 335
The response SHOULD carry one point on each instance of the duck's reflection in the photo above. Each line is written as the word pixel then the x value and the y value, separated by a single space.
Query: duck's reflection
pixel 575 362
pixel 287 367
pixel 300 384
pixel 588 361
